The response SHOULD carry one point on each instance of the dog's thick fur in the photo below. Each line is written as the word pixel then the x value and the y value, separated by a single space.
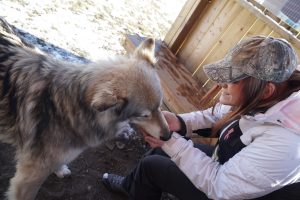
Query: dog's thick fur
pixel 51 110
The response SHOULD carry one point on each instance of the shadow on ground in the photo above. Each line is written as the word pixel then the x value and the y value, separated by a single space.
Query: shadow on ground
pixel 84 183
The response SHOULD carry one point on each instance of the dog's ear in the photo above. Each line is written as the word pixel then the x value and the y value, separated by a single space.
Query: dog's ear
pixel 105 99
pixel 146 51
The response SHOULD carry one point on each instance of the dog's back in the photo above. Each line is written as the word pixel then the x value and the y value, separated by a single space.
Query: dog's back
pixel 8 99
pixel 24 98
pixel 37 93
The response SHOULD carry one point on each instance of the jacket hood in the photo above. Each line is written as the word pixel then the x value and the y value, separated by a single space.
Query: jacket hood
pixel 285 113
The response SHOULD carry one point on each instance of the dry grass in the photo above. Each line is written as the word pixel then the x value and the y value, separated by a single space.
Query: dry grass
pixel 91 28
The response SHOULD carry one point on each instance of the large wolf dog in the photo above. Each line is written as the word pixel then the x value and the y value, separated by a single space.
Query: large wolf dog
pixel 51 110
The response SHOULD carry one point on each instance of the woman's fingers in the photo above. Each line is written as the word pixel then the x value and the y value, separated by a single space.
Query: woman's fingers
pixel 172 120
pixel 153 142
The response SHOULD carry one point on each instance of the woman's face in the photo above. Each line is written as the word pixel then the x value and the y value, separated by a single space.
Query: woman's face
pixel 231 93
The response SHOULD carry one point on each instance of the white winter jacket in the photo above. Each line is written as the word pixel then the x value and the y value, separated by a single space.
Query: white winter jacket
pixel 270 160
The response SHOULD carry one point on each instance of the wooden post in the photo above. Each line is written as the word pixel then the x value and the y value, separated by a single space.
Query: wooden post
pixel 183 25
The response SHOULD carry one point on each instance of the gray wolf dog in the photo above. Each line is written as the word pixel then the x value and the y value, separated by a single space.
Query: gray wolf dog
pixel 51 111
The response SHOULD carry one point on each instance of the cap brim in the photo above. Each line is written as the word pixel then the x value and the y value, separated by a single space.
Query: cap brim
pixel 223 71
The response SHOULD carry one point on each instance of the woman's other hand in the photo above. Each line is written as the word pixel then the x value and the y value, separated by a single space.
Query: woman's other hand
pixel 172 120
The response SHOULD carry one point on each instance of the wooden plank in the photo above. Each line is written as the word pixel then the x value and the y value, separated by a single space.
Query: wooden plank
pixel 273 24
pixel 181 92
pixel 185 24
pixel 218 20
pixel 210 38
pixel 238 28
pixel 203 27
pixel 178 24
pixel 275 34
pixel 258 28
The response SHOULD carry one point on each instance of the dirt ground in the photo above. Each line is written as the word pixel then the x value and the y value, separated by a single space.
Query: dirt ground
pixel 84 183
pixel 87 169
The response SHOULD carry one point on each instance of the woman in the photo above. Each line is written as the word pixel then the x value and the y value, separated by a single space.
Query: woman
pixel 257 120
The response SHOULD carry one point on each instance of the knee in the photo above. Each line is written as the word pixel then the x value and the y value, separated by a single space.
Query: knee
pixel 155 164
pixel 152 159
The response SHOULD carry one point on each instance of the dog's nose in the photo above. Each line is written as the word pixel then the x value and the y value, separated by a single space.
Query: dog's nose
pixel 163 138
pixel 165 135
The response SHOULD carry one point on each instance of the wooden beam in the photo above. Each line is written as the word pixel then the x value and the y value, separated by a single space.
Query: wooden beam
pixel 184 23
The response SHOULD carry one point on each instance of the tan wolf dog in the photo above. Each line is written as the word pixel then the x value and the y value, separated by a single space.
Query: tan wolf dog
pixel 51 111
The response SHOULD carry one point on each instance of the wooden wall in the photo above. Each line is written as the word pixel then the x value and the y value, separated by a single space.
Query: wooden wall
pixel 205 30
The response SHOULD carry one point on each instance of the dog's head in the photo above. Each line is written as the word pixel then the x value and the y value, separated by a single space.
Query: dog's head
pixel 134 94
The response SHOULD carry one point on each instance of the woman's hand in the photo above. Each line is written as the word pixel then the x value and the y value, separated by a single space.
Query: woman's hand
pixel 174 125
pixel 152 141
pixel 172 120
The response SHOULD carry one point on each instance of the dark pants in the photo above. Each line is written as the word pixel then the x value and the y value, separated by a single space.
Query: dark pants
pixel 157 173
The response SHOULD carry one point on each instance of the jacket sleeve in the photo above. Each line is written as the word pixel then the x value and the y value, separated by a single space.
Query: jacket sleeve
pixel 249 174
pixel 203 119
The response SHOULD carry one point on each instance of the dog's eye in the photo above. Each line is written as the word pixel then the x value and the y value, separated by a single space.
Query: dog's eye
pixel 145 116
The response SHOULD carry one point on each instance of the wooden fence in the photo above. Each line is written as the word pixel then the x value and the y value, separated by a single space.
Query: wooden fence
pixel 205 30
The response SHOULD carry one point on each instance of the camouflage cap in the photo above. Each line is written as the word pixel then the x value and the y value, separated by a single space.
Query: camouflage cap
pixel 265 58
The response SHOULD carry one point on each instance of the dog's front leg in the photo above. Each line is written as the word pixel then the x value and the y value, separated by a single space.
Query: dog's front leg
pixel 27 180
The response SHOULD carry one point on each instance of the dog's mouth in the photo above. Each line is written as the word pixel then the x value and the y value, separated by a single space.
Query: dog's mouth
pixel 142 130
pixel 163 138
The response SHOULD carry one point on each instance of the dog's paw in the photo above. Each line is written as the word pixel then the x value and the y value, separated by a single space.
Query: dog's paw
pixel 63 171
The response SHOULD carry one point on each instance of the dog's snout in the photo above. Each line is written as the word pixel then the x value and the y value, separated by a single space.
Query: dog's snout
pixel 165 134
pixel 166 138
